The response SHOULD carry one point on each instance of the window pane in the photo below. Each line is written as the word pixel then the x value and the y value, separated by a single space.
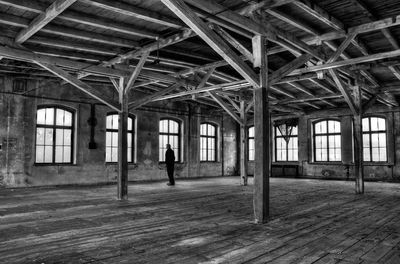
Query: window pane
pixel 365 124
pixel 115 121
pixel 333 126
pixel 374 124
pixel 41 116
pixel 374 141
pixel 39 154
pixel 382 154
pixel 114 139
pixel 114 155
pixel 67 118
pixel 130 124
pixel 109 120
pixel 129 140
pixel 318 155
pixel 129 154
pixel 40 136
pixel 294 131
pixel 251 132
pixel 59 137
pixel 49 116
pixel 67 154
pixel 381 124
pixel 375 154
pixel 211 143
pixel 108 139
pixel 48 154
pixel 173 127
pixel 382 140
pixel 59 154
pixel 211 130
pixel 278 132
pixel 48 140
pixel 366 140
pixel 67 137
pixel 367 156
pixel 60 117
pixel 203 129
pixel 108 154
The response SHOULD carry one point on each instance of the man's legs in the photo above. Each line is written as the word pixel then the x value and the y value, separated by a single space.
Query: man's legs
pixel 170 171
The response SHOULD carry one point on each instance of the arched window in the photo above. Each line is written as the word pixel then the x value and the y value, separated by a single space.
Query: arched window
pixel 112 138
pixel 170 133
pixel 208 142
pixel 374 139
pixel 251 143
pixel 286 144
pixel 327 141
pixel 54 135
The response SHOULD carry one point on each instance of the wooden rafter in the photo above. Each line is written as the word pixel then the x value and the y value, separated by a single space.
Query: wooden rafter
pixel 211 38
pixel 79 84
pixel 260 27
pixel 43 19
pixel 152 97
pixel 136 72
pixel 225 107
pixel 346 94
pixel 134 11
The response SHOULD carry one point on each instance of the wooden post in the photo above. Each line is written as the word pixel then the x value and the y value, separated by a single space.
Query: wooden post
pixel 123 144
pixel 261 133
pixel 244 148
pixel 358 143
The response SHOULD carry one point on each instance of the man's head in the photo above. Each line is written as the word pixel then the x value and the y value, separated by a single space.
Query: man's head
pixel 168 146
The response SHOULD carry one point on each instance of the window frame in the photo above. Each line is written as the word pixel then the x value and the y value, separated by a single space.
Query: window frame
pixel 215 137
pixel 54 127
pixel 287 145
pixel 370 132
pixel 116 130
pixel 248 143
pixel 327 134
pixel 179 134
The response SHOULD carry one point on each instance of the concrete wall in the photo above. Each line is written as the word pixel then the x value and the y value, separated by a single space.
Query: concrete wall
pixel 385 171
pixel 17 137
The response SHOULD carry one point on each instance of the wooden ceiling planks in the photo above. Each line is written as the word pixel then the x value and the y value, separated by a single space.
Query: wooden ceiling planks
pixel 100 50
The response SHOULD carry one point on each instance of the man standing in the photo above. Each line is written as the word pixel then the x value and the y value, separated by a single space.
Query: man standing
pixel 170 162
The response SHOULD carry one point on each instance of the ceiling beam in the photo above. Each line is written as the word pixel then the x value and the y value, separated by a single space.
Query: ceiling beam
pixel 56 8
pixel 82 18
pixel 136 72
pixel 80 85
pixel 258 28
pixel 346 94
pixel 138 103
pixel 342 63
pixel 224 106
pixel 159 44
pixel 135 11
pixel 265 4
pixel 288 68
pixel 69 32
pixel 212 39
pixel 323 16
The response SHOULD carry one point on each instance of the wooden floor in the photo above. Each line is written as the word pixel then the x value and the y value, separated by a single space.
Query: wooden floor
pixel 201 221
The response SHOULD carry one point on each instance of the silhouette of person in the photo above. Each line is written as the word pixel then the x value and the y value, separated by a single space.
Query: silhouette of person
pixel 170 162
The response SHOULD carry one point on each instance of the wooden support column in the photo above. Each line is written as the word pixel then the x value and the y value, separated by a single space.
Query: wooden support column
pixel 261 133
pixel 358 143
pixel 244 147
pixel 123 144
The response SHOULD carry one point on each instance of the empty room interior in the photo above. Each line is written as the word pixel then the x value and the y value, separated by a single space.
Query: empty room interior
pixel 200 131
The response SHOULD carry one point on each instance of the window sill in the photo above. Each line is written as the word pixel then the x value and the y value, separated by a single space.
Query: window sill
pixel 327 163
pixel 53 164
pixel 285 163
pixel 209 161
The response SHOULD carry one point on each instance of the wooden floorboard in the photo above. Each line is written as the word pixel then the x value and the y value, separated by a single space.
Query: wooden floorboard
pixel 201 221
